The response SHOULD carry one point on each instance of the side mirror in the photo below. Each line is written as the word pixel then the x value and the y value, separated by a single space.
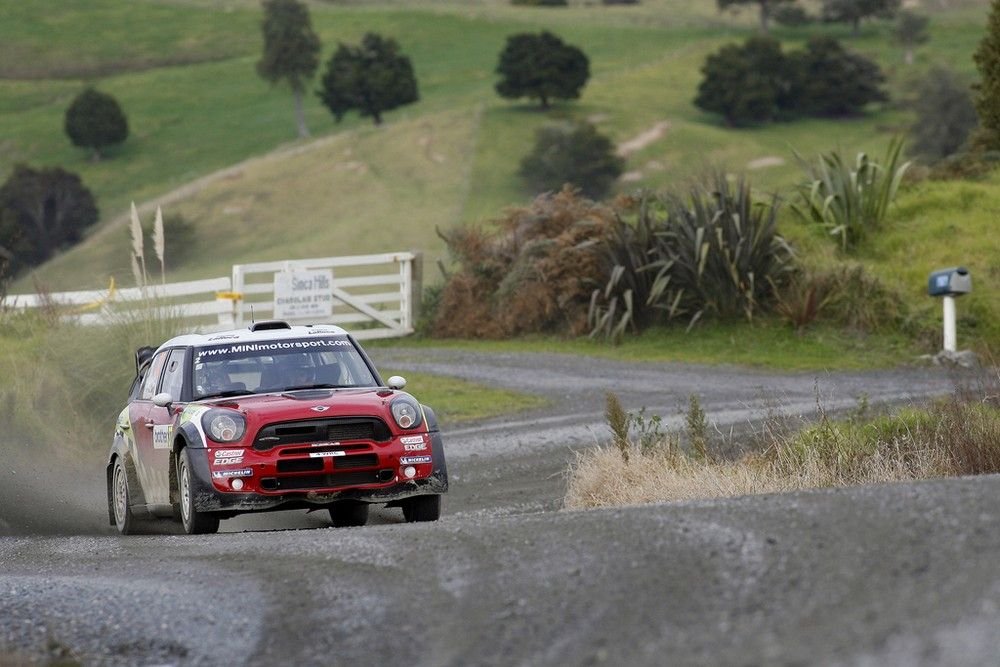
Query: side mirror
pixel 163 400
pixel 396 382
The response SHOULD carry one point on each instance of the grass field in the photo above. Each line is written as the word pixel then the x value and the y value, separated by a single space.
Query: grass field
pixel 184 72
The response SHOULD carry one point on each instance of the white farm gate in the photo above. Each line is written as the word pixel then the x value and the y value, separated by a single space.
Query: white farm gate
pixel 373 296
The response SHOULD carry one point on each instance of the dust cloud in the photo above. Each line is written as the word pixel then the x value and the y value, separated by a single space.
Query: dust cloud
pixel 44 492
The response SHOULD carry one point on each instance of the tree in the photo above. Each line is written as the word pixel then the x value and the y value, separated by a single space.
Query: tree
pixel 372 78
pixel 291 50
pixel 852 11
pixel 945 115
pixel 909 31
pixel 572 153
pixel 42 211
pixel 746 84
pixel 541 67
pixel 831 81
pixel 94 120
pixel 767 8
pixel 987 59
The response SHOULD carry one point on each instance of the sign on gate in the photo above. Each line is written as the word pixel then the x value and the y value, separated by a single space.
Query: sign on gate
pixel 302 294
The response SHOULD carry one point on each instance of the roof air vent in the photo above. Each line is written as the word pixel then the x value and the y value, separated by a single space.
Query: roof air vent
pixel 269 325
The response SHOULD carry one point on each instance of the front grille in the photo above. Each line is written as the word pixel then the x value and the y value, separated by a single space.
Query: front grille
pixel 322 430
pixel 351 478
pixel 300 465
pixel 357 461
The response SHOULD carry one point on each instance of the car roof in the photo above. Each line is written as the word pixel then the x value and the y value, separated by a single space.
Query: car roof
pixel 248 335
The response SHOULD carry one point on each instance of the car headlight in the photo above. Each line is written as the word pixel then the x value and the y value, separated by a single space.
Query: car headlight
pixel 224 425
pixel 406 412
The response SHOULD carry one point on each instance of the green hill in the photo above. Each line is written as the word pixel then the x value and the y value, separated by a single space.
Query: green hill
pixel 184 73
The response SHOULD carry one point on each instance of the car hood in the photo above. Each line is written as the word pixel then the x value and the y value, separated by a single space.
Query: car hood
pixel 311 403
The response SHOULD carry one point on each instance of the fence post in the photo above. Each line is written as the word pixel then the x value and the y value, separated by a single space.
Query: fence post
pixel 237 289
pixel 416 287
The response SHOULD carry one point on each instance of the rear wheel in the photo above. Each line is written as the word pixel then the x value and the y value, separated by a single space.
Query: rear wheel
pixel 194 522
pixel 349 513
pixel 422 508
pixel 124 519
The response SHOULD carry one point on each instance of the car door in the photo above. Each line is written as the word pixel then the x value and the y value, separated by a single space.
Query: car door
pixel 152 462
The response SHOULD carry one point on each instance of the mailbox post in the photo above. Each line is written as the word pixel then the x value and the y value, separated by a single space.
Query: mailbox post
pixel 949 283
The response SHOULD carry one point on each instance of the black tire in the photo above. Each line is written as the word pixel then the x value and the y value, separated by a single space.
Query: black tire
pixel 125 521
pixel 349 513
pixel 422 508
pixel 194 522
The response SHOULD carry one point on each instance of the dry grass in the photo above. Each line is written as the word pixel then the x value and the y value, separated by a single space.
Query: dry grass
pixel 957 436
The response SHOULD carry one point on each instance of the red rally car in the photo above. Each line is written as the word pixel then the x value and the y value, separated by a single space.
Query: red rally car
pixel 273 417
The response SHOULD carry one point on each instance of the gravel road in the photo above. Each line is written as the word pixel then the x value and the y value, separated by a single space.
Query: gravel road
pixel 903 574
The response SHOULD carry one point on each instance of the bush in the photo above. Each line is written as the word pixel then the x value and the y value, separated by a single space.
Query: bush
pixel 540 3
pixel 42 211
pixel 987 58
pixel 791 16
pixel 746 84
pixel 541 67
pixel 945 115
pixel 850 202
pixel 715 252
pixel 373 78
pixel 845 295
pixel 533 273
pixel 575 154
pixel 94 120
pixel 831 81
pixel 757 83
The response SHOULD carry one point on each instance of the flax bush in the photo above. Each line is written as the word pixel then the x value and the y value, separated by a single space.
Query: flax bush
pixel 851 201
pixel 714 251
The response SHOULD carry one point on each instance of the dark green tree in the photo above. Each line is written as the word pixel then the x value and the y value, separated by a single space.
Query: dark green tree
pixel 42 211
pixel 910 30
pixel 987 59
pixel 94 120
pixel 372 78
pixel 746 84
pixel 573 153
pixel 767 8
pixel 853 11
pixel 830 81
pixel 291 50
pixel 541 67
pixel 945 115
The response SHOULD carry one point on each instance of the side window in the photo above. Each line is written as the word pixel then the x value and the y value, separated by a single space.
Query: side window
pixel 133 392
pixel 173 374
pixel 153 377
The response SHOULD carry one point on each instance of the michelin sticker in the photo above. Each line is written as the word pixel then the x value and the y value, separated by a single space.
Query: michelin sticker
pixel 161 436
pixel 222 474
pixel 413 460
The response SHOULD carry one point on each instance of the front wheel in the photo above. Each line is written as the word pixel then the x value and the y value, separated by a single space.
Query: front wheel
pixel 194 522
pixel 422 508
pixel 125 521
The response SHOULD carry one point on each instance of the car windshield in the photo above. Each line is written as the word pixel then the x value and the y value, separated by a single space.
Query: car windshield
pixel 283 365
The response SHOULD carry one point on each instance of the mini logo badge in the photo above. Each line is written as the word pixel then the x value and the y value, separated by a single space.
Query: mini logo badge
pixel 320 408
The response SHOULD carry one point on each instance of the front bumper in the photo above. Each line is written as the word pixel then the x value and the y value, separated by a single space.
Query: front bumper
pixel 207 498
